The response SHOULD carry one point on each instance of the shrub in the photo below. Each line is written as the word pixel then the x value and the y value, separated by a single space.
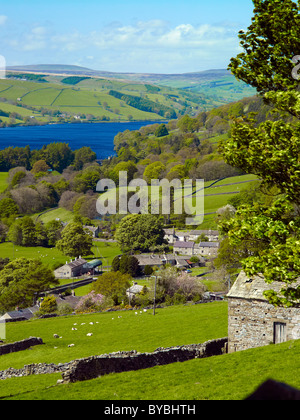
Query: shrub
pixel 48 305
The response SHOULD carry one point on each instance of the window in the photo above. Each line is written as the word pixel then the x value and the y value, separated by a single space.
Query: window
pixel 279 332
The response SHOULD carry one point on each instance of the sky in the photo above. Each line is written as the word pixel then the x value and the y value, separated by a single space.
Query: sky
pixel 161 36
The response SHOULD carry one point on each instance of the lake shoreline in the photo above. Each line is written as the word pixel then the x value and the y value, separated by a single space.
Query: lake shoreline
pixel 98 136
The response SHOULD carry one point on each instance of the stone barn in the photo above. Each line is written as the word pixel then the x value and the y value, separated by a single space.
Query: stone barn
pixel 253 321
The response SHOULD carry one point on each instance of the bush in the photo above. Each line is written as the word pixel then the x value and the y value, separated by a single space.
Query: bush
pixel 48 306
pixel 148 270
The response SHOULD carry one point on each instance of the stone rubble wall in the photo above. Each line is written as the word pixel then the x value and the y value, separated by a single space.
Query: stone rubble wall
pixel 95 366
pixel 20 345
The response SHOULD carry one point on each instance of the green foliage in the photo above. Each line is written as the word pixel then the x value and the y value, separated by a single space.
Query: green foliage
pixel 75 241
pixel 139 232
pixel 161 131
pixel 269 44
pixel 129 265
pixel 154 171
pixel 82 156
pixel 271 149
pixel 8 207
pixel 144 104
pixel 73 80
pixel 21 280
pixel 113 285
pixel 48 305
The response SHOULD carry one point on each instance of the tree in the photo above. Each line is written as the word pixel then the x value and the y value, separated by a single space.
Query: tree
pixel 271 149
pixel 21 281
pixel 48 305
pixel 129 264
pixel 139 232
pixel 8 207
pixel 161 131
pixel 75 241
pixel 83 156
pixel 154 171
pixel 113 285
pixel 40 166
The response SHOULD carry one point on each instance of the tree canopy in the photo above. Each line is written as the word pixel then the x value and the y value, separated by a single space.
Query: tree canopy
pixel 139 232
pixel 271 149
pixel 20 282
pixel 75 241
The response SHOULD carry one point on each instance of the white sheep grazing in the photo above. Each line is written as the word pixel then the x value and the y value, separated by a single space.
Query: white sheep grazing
pixel 74 329
pixel 89 334
pixel 91 323
pixel 71 345
pixel 55 336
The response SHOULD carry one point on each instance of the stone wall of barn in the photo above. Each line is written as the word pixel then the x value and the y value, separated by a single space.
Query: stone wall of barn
pixel 251 323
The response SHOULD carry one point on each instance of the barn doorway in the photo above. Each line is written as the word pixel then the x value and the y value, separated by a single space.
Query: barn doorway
pixel 279 332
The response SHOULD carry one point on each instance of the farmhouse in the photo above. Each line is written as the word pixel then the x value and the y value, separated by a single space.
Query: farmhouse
pixel 184 247
pixel 207 248
pixel 74 268
pixel 253 321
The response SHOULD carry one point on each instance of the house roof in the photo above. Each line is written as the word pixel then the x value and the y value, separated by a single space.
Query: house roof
pixel 77 263
pixel 21 313
pixel 135 289
pixel 204 232
pixel 207 245
pixel 253 287
pixel 149 259
pixel 182 244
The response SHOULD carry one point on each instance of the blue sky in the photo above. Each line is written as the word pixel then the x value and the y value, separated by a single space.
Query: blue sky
pixel 166 36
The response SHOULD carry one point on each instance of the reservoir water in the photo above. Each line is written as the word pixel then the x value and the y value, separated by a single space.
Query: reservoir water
pixel 99 136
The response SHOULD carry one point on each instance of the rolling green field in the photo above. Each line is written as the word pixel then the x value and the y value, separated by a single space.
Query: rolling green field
pixel 88 97
pixel 54 258
pixel 3 181
pixel 227 377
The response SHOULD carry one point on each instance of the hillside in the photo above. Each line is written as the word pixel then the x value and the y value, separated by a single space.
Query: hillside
pixel 184 93
pixel 73 98
pixel 227 377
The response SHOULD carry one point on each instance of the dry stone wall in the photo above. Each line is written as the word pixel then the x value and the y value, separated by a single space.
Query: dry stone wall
pixel 20 345
pixel 92 367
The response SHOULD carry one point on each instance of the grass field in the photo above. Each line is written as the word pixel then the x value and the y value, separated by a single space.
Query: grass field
pixel 52 257
pixel 175 325
pixel 3 181
pixel 227 377
pixel 90 96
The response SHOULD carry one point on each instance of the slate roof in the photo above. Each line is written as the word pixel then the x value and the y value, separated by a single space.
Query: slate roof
pixel 20 314
pixel 207 245
pixel 182 244
pixel 253 287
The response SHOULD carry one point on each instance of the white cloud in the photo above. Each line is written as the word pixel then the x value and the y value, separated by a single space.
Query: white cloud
pixel 3 19
pixel 144 46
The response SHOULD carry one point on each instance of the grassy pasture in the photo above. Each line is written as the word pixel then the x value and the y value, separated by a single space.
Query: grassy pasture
pixel 52 257
pixel 175 325
pixel 3 181
pixel 227 377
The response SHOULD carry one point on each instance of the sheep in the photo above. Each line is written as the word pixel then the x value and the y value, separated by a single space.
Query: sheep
pixel 71 345
pixel 74 329
pixel 91 323
pixel 55 336
pixel 89 334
